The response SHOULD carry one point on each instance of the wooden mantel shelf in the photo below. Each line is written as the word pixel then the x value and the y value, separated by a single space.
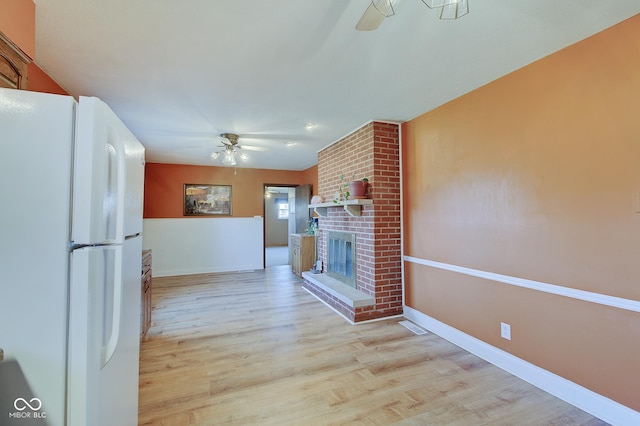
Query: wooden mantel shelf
pixel 353 207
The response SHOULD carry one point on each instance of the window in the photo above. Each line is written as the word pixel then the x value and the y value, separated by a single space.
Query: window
pixel 283 209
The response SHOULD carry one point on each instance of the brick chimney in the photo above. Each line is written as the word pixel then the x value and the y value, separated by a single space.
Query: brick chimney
pixel 372 151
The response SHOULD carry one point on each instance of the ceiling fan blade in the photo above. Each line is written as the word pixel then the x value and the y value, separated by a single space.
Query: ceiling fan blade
pixel 371 19
pixel 251 148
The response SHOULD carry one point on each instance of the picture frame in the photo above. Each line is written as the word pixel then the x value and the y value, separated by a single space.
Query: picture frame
pixel 207 200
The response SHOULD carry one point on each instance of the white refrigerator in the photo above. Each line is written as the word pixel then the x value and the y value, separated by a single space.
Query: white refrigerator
pixel 71 191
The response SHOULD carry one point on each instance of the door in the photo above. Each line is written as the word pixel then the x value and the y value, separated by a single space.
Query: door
pixel 303 196
pixel 104 334
pixel 108 177
pixel 300 221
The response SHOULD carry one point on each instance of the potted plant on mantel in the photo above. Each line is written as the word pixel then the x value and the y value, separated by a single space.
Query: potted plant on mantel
pixel 353 189
pixel 359 189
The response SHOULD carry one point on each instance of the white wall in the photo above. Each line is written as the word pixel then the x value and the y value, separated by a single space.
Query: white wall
pixel 202 245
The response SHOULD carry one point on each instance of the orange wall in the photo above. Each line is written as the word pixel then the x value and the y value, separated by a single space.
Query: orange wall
pixel 535 176
pixel 163 194
pixel 18 23
pixel 39 81
pixel 311 176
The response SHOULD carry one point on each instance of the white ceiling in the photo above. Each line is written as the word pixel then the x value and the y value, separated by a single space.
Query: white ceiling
pixel 179 73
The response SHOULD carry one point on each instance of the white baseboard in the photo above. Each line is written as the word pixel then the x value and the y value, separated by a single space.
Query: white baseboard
pixel 591 402
pixel 158 273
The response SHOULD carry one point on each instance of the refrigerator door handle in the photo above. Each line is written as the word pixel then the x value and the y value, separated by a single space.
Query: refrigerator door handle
pixel 121 186
pixel 112 342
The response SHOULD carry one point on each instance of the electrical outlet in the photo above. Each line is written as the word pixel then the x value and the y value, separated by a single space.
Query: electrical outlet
pixel 505 331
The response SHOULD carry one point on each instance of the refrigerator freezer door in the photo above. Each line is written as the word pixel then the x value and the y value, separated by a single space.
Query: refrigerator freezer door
pixel 104 334
pixel 108 177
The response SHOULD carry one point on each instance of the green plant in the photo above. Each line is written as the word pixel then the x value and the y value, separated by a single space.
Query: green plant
pixel 313 227
pixel 343 191
pixel 343 188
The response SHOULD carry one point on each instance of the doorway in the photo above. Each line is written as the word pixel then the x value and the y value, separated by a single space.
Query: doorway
pixel 286 212
pixel 277 227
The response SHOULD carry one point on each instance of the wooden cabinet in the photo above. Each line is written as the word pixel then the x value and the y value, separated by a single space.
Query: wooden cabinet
pixel 145 316
pixel 13 65
pixel 303 253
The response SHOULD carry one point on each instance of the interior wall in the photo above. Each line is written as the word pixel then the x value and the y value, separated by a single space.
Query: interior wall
pixel 18 23
pixel 310 176
pixel 203 245
pixel 191 245
pixel 39 81
pixel 535 176
pixel 164 183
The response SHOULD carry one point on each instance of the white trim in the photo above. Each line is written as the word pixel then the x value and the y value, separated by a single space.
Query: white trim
pixel 602 299
pixel 198 271
pixel 593 403
pixel 379 319
pixel 400 151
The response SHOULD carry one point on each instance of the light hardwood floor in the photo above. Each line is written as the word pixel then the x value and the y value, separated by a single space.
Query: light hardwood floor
pixel 255 348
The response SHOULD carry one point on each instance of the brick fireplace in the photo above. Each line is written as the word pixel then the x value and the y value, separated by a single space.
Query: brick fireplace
pixel 373 151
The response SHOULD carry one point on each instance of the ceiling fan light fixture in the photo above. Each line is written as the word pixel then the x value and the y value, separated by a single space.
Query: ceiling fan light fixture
pixel 454 10
pixel 230 150
pixel 229 158
pixel 434 4
pixel 449 9
pixel 385 7
pixel 378 10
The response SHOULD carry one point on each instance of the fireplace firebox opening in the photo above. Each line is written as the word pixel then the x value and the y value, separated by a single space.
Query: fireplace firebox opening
pixel 341 257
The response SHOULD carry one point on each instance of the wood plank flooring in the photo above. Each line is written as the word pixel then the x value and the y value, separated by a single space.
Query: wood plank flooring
pixel 254 348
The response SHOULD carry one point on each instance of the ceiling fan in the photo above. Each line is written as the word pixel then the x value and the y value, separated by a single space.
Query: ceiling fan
pixel 230 150
pixel 378 10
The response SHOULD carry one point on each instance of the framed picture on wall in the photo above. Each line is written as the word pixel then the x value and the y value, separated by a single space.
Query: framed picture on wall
pixel 207 200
